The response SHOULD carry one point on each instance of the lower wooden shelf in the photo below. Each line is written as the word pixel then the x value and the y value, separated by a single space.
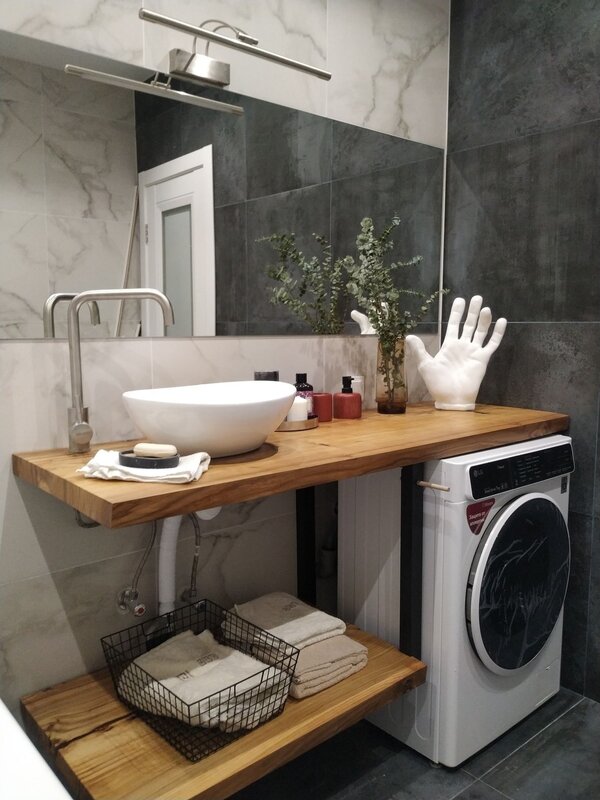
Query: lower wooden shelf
pixel 103 752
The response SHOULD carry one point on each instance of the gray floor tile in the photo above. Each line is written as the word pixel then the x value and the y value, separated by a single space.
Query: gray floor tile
pixel 563 761
pixel 479 791
pixel 481 763
pixel 362 763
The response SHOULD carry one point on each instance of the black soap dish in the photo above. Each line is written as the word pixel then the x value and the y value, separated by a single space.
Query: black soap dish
pixel 127 458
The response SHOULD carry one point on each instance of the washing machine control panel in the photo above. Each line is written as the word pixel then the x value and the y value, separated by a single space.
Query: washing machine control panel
pixel 495 477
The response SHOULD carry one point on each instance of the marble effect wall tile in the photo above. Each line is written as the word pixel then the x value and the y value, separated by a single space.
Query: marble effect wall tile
pixel 23 272
pixel 70 93
pixel 21 157
pixel 51 625
pixel 395 81
pixel 90 166
pixel 108 28
pixel 19 80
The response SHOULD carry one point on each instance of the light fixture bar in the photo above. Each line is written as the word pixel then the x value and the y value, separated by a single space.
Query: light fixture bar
pixel 160 90
pixel 195 30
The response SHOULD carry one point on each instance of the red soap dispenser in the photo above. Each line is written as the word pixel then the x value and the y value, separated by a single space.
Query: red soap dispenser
pixel 346 404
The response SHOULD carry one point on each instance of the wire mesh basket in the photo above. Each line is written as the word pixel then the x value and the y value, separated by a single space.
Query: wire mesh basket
pixel 202 726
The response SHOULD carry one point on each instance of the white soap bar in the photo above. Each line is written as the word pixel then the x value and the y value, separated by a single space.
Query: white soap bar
pixel 299 410
pixel 151 450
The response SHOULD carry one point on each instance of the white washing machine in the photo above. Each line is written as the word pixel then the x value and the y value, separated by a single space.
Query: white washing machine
pixel 496 558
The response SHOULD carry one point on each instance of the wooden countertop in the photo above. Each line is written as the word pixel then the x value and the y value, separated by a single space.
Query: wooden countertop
pixel 293 460
pixel 104 752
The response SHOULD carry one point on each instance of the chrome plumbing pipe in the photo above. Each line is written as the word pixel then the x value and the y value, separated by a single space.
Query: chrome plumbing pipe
pixel 80 431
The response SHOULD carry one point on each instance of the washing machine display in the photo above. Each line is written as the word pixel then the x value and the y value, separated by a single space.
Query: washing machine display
pixel 518 582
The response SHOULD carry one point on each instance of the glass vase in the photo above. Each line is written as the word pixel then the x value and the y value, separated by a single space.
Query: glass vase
pixel 390 384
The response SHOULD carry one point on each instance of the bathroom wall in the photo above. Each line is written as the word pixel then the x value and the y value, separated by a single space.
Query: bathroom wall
pixel 522 229
pixel 388 59
pixel 67 175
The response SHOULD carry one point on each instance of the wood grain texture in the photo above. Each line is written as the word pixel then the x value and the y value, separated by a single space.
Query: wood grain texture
pixel 104 752
pixel 291 460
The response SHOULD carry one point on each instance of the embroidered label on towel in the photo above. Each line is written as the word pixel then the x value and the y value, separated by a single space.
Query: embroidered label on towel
pixel 291 605
pixel 202 661
pixel 477 514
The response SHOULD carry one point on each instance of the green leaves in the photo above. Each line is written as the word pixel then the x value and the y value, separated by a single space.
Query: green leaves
pixel 315 289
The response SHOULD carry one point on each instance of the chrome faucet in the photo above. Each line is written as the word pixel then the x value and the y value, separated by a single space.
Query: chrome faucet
pixel 80 431
pixel 52 302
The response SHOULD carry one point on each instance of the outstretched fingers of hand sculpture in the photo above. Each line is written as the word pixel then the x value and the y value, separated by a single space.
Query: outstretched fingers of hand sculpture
pixel 417 347
pixel 496 337
pixel 472 319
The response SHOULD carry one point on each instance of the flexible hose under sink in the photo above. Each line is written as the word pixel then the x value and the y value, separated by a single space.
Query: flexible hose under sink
pixel 167 557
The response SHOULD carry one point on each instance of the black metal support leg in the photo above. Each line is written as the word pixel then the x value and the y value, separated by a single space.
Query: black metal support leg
pixel 411 560
pixel 305 545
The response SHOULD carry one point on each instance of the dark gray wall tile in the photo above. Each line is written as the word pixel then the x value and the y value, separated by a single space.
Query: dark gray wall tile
pixel 286 149
pixel 563 761
pixel 303 212
pixel 518 68
pixel 592 674
pixel 522 226
pixel 231 283
pixel 413 192
pixel 553 366
pixel 358 151
pixel 158 136
pixel 226 133
pixel 576 614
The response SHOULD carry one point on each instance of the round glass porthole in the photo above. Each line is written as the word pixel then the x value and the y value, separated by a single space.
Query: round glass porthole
pixel 518 582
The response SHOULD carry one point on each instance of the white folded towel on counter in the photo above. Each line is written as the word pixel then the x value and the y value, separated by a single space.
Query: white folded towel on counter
pixel 200 674
pixel 288 618
pixel 105 465
pixel 326 663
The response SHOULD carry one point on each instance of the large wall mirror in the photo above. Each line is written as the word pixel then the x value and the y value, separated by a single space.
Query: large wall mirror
pixel 70 154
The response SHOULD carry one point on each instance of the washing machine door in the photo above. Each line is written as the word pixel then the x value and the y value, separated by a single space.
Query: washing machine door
pixel 518 582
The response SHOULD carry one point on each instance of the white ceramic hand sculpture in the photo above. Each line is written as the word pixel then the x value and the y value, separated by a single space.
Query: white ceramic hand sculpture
pixel 363 322
pixel 453 376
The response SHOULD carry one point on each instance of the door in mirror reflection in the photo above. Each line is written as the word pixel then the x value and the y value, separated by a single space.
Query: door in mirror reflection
pixel 177 253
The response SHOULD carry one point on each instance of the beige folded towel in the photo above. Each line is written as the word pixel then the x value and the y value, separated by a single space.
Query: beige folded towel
pixel 326 663
pixel 300 690
pixel 288 618
pixel 328 657
pixel 105 465
pixel 200 674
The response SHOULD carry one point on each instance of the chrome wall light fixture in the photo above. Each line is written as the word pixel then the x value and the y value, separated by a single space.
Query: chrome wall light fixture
pixel 244 42
pixel 155 87
pixel 196 67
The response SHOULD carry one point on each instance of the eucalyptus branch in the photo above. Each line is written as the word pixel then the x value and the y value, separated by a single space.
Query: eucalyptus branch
pixel 311 288
pixel 373 283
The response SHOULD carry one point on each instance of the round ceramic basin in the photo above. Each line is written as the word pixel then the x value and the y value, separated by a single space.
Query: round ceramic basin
pixel 221 419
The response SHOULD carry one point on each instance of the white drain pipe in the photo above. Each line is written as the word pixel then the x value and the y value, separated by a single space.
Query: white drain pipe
pixel 167 558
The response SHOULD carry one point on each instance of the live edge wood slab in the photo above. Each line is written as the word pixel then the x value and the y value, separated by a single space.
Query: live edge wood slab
pixel 103 752
pixel 288 460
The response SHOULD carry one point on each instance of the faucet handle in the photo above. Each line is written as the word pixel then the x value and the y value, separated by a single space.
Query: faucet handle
pixel 80 432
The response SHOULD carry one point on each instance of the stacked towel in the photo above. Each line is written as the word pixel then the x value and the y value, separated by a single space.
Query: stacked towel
pixel 326 655
pixel 288 618
pixel 105 465
pixel 326 663
pixel 200 674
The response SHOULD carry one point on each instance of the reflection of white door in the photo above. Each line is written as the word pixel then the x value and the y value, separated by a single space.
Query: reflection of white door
pixel 178 249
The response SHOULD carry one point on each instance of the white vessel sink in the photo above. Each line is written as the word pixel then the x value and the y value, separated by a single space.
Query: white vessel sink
pixel 221 419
